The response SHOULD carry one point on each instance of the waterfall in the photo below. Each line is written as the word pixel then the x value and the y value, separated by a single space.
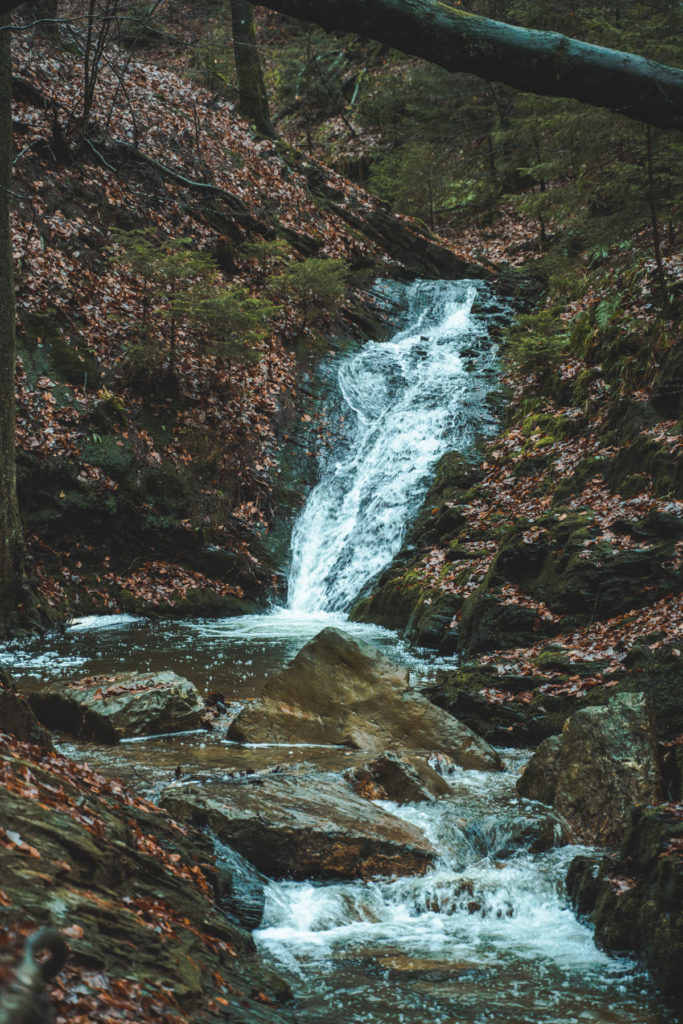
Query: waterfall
pixel 402 403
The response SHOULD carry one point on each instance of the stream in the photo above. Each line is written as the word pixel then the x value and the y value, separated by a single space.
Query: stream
pixel 487 934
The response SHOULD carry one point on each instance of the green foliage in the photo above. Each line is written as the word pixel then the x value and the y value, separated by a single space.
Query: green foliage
pixel 451 148
pixel 184 287
pixel 316 286
pixel 233 320
pixel 418 179
pixel 268 256
pixel 536 344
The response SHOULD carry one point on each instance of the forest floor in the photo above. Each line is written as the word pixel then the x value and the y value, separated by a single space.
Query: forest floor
pixel 157 471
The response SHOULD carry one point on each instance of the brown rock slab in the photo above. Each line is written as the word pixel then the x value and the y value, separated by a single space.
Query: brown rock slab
pixel 111 708
pixel 341 691
pixel 392 777
pixel 303 825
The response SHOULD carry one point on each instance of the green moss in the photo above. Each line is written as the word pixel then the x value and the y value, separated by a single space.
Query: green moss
pixel 73 363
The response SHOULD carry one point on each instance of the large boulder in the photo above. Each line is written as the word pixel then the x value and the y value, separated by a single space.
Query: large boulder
pixel 306 824
pixel 341 691
pixel 635 898
pixel 603 764
pixel 539 779
pixel 111 708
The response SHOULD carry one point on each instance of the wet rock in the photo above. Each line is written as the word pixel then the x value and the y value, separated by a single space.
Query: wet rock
pixel 339 691
pixel 303 825
pixel 659 674
pixel 242 892
pixel 390 777
pixel 634 898
pixel 538 830
pixel 604 762
pixel 137 892
pixel 111 708
pixel 539 779
pixel 18 718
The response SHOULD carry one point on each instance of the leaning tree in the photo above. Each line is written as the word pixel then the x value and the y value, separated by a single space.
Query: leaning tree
pixel 546 63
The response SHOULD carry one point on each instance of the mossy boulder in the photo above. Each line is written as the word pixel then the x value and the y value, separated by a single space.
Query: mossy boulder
pixel 635 899
pixel 391 604
pixel 487 701
pixel 659 674
pixel 604 762
pixel 560 561
pixel 430 622
pixel 539 780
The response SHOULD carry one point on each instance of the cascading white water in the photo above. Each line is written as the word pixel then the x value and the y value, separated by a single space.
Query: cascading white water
pixel 403 403
pixel 486 937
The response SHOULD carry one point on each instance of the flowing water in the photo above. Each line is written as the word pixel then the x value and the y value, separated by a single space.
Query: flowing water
pixel 486 935
pixel 403 403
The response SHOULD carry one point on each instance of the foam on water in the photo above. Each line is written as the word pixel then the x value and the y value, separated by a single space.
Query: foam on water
pixel 404 402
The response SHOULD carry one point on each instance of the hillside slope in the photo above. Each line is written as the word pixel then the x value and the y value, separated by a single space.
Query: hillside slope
pixel 153 433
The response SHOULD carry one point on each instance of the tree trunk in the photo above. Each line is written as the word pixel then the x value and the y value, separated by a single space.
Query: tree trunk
pixel 540 62
pixel 16 603
pixel 253 98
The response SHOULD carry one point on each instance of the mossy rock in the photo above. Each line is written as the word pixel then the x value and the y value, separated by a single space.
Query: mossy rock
pixel 207 604
pixel 654 458
pixel 74 364
pixel 667 390
pixel 391 605
pixel 113 454
pixel 641 911
pixel 587 470
pixel 564 568
pixel 490 623
pixel 659 674
pixel 430 622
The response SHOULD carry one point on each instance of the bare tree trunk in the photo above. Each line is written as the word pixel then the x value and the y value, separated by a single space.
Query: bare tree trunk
pixel 253 98
pixel 16 602
pixel 540 62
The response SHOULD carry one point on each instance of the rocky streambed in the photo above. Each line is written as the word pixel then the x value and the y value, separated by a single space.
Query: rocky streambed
pixel 399 880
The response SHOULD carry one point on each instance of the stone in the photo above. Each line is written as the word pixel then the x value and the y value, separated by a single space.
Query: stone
pixel 635 898
pixel 303 824
pixel 604 762
pixel 341 691
pixel 392 777
pixel 112 708
pixel 539 779
pixel 18 718
pixel 137 893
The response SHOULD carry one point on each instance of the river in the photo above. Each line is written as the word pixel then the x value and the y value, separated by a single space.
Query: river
pixel 486 935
